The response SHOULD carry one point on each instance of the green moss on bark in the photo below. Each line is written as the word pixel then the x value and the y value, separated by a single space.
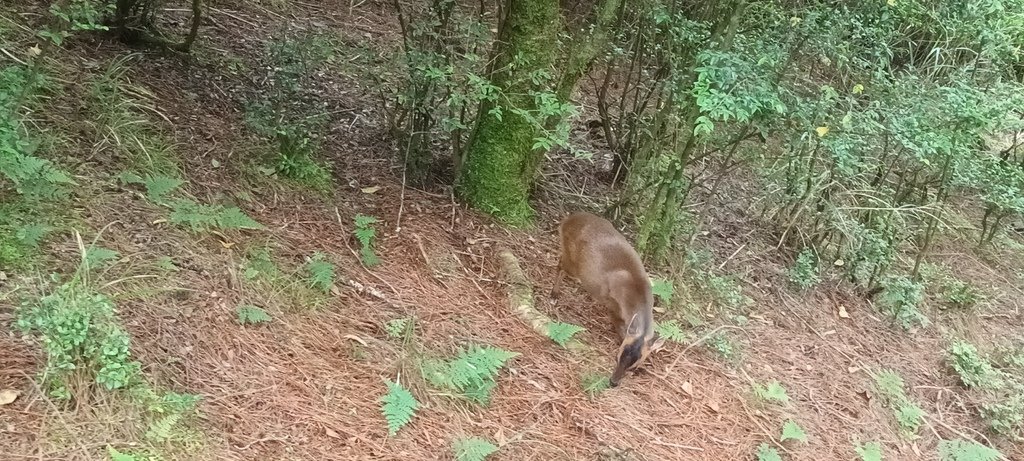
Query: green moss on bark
pixel 494 177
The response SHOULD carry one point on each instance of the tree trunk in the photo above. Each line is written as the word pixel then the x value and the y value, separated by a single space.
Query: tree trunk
pixel 578 60
pixel 496 176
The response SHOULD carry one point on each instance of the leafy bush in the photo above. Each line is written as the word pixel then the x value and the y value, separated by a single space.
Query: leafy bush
pixel 471 373
pixel 81 336
pixel 900 299
pixel 804 273
pixel 973 369
pixel 890 387
pixel 288 113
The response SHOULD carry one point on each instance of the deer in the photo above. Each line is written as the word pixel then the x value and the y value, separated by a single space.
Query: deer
pixel 612 273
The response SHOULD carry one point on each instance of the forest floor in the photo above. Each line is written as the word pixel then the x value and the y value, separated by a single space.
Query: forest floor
pixel 307 384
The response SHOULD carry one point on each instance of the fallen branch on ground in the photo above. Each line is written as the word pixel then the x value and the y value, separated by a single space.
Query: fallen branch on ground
pixel 520 299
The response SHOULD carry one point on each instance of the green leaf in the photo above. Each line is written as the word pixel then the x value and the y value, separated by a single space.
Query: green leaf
pixel 396 328
pixel 321 272
pixel 767 453
pixel 32 234
pixel 473 449
pixel 594 383
pixel 249 314
pixel 773 391
pixel 118 456
pixel 159 186
pixel 965 450
pixel 792 431
pixel 870 451
pixel 663 289
pixel 561 333
pixel 96 257
pixel 398 407
pixel 671 331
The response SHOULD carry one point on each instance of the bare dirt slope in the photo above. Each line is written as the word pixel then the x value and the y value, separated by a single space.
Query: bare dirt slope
pixel 306 386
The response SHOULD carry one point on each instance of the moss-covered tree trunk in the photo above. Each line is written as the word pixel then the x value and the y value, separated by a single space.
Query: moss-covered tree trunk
pixel 496 175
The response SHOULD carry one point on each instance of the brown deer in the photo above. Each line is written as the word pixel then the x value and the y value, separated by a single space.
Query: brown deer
pixel 608 267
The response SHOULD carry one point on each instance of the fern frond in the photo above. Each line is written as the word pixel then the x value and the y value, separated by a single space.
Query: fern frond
pixel 159 186
pixel 767 453
pixel 871 451
pixel 792 431
pixel 473 449
pixel 398 407
pixel 671 331
pixel 964 450
pixel 162 429
pixel 321 272
pixel 561 333
pixel 773 391
pixel 249 314
pixel 663 289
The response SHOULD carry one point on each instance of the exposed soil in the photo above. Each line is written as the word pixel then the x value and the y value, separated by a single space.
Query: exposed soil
pixel 306 386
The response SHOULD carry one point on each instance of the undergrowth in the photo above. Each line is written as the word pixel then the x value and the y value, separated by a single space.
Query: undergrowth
pixel 891 388
pixel 471 374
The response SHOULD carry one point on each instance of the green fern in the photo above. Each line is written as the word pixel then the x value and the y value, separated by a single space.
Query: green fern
pixel 561 333
pixel 398 406
pixel 890 387
pixel 974 370
pixel 97 257
pixel 321 272
pixel 163 428
pixel 663 289
pixel 792 431
pixel 965 450
pixel 365 234
pixel 200 217
pixel 32 234
pixel 159 186
pixel 594 383
pixel 118 456
pixel 471 373
pixel 249 314
pixel 767 453
pixel 871 451
pixel 773 391
pixel 473 449
pixel 396 328
pixel 671 330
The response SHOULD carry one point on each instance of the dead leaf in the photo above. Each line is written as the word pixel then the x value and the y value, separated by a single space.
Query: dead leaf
pixel 714 406
pixel 35 51
pixel 8 396
pixel 839 263
pixel 917 451
pixel 356 339
pixel 853 369
pixel 370 190
pixel 331 433
pixel 865 395
pixel 688 388
pixel 842 312
pixel 499 437
pixel 159 221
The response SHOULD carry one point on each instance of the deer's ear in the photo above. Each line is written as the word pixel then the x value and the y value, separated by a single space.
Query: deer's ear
pixel 633 326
